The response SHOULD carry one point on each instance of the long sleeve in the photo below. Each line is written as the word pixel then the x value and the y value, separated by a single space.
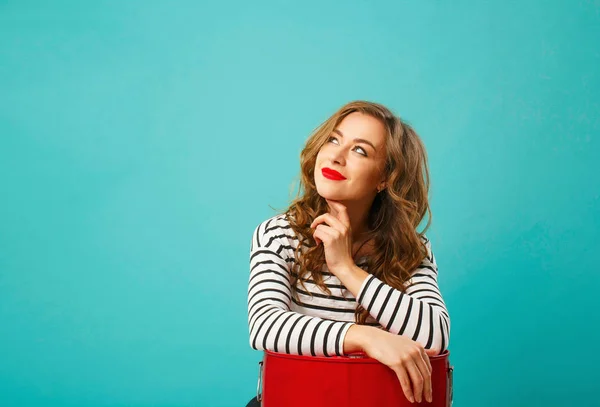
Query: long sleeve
pixel 420 313
pixel 272 326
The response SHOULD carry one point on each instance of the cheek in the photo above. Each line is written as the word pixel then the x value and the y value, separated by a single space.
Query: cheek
pixel 319 154
pixel 368 177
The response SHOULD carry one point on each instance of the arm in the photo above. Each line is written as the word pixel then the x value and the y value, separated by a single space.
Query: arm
pixel 272 325
pixel 420 313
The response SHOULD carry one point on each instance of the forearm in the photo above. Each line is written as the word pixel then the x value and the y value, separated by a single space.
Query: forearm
pixel 352 277
pixel 278 330
pixel 424 319
pixel 419 314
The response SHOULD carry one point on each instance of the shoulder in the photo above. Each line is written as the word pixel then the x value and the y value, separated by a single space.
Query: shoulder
pixel 274 231
pixel 273 225
pixel 429 256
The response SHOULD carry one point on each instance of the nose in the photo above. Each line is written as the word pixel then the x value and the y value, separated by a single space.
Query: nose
pixel 338 156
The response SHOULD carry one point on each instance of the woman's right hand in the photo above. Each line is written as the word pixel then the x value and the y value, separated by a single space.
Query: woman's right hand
pixel 407 358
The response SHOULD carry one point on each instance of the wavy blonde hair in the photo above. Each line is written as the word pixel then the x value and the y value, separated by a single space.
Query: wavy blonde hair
pixel 396 212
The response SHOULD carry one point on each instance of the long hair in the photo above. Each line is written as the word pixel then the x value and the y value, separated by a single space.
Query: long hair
pixel 396 212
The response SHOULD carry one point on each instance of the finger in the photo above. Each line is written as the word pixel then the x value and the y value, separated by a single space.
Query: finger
pixel 323 233
pixel 416 379
pixel 327 230
pixel 330 220
pixel 316 221
pixel 404 382
pixel 341 211
pixel 426 359
pixel 422 362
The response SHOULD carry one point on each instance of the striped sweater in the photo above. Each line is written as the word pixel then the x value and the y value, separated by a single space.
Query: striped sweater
pixel 317 324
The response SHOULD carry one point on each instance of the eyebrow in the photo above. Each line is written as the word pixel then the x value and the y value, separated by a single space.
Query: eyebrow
pixel 357 140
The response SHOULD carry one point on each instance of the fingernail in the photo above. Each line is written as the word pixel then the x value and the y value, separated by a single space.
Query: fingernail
pixel 412 400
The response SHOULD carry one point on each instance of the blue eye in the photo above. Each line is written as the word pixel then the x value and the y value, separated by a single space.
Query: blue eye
pixel 364 153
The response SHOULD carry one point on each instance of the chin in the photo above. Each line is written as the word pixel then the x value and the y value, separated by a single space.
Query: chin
pixel 332 193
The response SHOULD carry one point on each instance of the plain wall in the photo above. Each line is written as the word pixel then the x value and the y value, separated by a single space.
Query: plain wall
pixel 142 142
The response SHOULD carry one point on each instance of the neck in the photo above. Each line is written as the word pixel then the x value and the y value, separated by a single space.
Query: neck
pixel 358 212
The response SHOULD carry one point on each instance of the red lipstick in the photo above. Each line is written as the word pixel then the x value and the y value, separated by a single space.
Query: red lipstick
pixel 332 174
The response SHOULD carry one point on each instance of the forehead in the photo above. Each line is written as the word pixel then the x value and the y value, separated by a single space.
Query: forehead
pixel 360 125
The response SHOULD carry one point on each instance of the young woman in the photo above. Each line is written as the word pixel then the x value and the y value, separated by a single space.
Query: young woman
pixel 344 269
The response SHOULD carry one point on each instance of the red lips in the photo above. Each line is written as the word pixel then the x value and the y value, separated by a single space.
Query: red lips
pixel 332 174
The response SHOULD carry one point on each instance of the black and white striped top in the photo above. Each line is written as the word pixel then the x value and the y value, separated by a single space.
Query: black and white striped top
pixel 316 325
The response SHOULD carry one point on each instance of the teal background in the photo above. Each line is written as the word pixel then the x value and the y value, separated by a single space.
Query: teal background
pixel 141 143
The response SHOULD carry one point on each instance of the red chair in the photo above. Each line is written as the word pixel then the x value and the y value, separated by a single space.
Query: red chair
pixel 347 381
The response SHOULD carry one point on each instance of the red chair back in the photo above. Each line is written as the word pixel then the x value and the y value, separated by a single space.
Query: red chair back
pixel 345 381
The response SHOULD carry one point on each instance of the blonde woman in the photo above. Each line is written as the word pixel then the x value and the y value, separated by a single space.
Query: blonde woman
pixel 344 268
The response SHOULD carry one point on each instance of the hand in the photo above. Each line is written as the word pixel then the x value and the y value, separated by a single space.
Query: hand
pixel 333 230
pixel 407 358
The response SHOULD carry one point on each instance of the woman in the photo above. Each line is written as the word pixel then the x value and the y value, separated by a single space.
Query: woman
pixel 344 269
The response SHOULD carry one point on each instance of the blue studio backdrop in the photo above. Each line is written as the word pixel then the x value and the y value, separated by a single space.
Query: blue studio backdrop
pixel 142 142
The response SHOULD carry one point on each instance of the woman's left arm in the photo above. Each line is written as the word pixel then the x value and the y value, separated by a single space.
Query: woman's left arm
pixel 420 313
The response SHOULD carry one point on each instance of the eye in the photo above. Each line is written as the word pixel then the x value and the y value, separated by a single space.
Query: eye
pixel 364 153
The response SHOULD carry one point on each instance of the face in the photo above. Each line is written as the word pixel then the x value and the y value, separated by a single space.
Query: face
pixel 355 150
